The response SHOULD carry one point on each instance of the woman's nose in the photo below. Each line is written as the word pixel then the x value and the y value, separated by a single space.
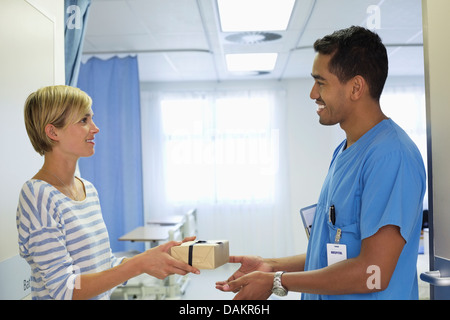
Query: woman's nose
pixel 94 128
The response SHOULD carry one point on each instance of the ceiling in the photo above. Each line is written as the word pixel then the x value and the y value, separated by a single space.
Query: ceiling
pixel 181 40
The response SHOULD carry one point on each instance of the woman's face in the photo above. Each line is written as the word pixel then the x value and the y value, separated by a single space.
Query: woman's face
pixel 78 138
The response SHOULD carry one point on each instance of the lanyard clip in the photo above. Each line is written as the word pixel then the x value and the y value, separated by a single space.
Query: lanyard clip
pixel 338 236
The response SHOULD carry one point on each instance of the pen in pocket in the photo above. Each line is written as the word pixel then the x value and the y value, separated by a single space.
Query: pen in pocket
pixel 332 215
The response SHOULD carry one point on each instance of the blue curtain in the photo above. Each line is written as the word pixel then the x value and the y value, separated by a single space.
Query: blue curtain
pixel 116 167
pixel 75 19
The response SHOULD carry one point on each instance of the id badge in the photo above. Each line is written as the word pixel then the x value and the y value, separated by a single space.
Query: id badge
pixel 336 253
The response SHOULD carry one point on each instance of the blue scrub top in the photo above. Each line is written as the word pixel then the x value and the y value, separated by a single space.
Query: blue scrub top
pixel 378 181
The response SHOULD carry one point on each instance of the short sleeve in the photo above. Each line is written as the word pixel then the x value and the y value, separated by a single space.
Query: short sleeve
pixel 392 194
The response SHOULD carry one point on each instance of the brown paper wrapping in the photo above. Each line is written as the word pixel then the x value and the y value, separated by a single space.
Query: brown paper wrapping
pixel 209 254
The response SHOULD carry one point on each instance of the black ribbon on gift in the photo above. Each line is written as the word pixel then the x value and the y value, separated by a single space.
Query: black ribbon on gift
pixel 191 249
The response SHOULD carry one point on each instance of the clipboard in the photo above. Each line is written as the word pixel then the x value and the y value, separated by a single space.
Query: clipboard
pixel 307 215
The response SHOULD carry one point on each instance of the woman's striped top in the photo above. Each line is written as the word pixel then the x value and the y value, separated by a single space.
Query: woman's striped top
pixel 61 238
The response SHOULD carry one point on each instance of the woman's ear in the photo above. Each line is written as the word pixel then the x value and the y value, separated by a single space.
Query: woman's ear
pixel 51 132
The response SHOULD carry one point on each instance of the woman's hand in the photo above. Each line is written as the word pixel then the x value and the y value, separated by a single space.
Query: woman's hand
pixel 159 263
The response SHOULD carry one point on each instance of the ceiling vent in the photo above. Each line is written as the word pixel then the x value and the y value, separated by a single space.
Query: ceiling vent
pixel 252 37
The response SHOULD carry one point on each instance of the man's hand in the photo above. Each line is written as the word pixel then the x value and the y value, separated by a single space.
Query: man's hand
pixel 250 279
pixel 253 286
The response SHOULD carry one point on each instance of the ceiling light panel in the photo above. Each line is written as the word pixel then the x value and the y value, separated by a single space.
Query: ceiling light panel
pixel 254 15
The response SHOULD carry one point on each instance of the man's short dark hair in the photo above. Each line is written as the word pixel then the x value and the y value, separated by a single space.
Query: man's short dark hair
pixel 356 51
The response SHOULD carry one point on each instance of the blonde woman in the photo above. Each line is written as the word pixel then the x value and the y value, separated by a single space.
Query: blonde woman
pixel 62 234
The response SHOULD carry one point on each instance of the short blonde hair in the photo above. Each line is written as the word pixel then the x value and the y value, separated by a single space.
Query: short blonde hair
pixel 56 105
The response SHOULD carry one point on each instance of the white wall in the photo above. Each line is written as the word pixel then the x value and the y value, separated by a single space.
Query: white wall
pixel 32 55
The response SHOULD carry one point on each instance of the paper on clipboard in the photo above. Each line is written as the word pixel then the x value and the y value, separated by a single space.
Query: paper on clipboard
pixel 307 215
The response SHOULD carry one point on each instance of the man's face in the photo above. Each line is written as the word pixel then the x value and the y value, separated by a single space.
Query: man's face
pixel 329 93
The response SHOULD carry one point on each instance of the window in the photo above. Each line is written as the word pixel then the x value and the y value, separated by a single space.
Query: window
pixel 219 149
pixel 406 106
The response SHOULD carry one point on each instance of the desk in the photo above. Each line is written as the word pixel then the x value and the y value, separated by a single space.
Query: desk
pixel 166 220
pixel 171 287
pixel 149 233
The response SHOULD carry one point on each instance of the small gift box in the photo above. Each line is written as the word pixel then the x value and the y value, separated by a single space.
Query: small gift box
pixel 202 254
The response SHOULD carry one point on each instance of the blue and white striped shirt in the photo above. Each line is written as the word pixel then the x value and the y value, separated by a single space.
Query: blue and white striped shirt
pixel 61 238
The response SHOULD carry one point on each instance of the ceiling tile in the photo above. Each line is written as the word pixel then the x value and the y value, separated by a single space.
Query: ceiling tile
pixel 112 18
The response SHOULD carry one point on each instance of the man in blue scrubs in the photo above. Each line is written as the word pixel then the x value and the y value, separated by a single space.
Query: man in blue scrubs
pixel 365 235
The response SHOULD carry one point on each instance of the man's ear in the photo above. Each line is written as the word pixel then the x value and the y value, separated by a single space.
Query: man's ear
pixel 51 132
pixel 358 87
